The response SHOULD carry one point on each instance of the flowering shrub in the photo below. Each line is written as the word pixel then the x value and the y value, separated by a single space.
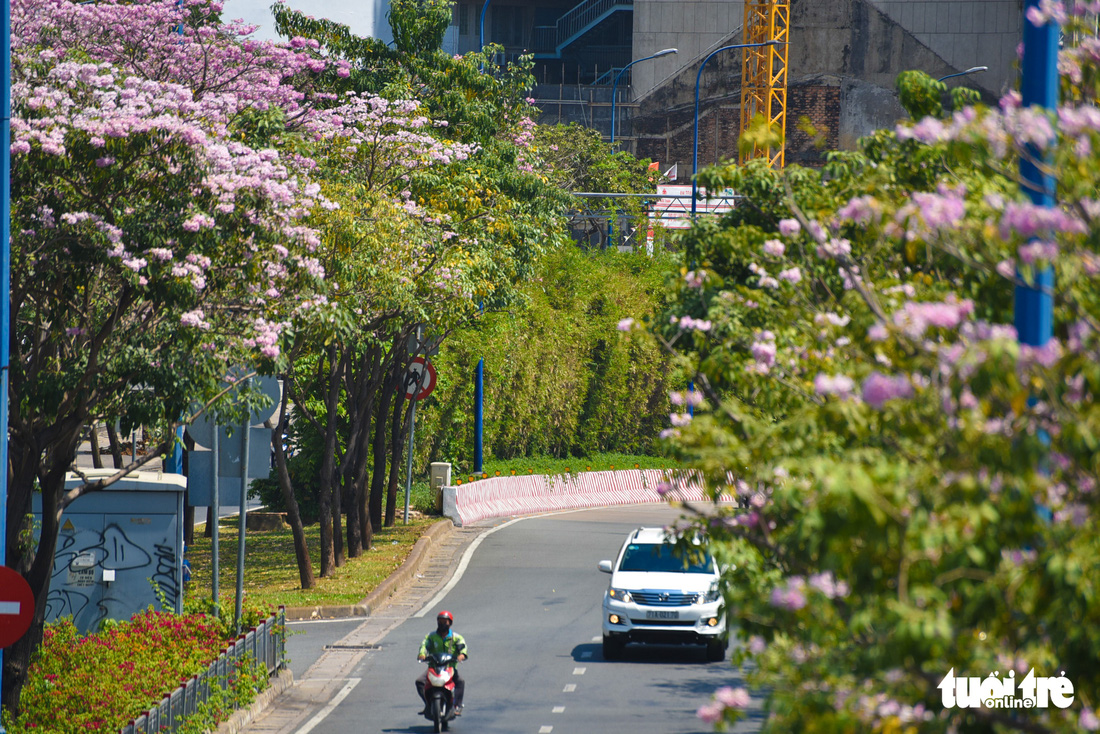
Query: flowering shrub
pixel 102 681
pixel 919 489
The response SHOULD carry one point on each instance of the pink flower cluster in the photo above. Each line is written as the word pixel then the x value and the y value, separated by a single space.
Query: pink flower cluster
pixel 791 596
pixel 724 698
pixel 878 389
pixel 916 318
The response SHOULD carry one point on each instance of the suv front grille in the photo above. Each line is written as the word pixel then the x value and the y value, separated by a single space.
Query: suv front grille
pixel 663 598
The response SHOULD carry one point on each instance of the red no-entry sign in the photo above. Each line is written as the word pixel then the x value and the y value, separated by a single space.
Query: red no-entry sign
pixel 420 372
pixel 16 606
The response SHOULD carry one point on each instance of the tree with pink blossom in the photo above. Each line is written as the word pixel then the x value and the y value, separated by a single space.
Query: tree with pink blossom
pixel 443 207
pixel 923 487
pixel 153 247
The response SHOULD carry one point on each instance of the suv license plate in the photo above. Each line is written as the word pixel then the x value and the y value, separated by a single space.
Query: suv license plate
pixel 662 615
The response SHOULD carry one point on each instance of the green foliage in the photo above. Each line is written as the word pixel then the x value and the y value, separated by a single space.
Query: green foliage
pixel 418 25
pixel 922 96
pixel 578 160
pixel 79 683
pixel 560 380
pixel 917 488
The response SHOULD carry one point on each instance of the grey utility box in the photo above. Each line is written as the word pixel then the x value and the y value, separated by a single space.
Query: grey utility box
pixel 439 478
pixel 112 543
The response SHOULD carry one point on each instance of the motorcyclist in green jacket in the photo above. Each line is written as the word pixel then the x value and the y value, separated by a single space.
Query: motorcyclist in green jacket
pixel 443 640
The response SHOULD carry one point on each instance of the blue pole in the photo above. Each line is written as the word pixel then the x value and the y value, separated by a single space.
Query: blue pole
pixel 695 135
pixel 479 394
pixel 481 29
pixel 1034 308
pixel 5 278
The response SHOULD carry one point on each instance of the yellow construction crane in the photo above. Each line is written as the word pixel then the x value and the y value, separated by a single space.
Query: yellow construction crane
pixel 764 71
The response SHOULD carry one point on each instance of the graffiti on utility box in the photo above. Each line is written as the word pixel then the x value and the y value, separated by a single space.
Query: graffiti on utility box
pixel 119 551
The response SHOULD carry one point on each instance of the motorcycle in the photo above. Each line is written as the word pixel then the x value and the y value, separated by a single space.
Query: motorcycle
pixel 439 693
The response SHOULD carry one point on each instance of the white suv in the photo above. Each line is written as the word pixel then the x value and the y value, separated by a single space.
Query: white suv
pixel 657 595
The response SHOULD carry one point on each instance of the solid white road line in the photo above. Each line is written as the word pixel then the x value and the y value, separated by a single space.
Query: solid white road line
pixel 470 552
pixel 462 567
pixel 331 706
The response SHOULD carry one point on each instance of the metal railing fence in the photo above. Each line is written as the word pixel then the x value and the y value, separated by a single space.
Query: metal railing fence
pixel 264 644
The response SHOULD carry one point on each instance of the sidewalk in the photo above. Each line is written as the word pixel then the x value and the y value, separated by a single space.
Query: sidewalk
pixel 288 704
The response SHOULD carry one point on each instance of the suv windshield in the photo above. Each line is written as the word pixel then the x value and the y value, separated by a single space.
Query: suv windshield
pixel 660 557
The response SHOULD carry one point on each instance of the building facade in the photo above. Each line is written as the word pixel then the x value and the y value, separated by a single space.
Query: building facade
pixel 844 58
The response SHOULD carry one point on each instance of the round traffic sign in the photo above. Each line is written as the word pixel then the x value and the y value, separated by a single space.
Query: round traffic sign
pixel 422 373
pixel 16 606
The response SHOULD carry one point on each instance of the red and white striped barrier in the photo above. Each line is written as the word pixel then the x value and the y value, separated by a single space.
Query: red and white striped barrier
pixel 527 495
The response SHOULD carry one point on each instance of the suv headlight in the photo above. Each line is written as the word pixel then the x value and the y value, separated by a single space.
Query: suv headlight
pixel 620 595
pixel 711 596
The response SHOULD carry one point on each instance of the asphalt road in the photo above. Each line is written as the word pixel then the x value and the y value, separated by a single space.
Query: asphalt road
pixel 528 605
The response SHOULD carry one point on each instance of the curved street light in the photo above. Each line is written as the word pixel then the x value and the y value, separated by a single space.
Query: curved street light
pixel 481 28
pixel 695 139
pixel 659 54
pixel 971 70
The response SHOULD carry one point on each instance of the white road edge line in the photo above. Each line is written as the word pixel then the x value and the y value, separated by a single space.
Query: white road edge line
pixel 473 546
pixel 331 706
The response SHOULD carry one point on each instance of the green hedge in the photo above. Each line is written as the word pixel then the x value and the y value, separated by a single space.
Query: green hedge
pixel 560 379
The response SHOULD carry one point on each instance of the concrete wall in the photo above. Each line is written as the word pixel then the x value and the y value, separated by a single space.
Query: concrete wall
pixel 695 27
pixel 843 63
pixel 965 33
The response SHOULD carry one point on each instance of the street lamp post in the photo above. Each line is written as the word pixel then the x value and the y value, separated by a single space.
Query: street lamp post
pixel 659 54
pixel 695 137
pixel 971 70
pixel 481 29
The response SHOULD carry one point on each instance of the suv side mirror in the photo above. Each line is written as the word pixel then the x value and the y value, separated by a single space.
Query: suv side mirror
pixel 604 566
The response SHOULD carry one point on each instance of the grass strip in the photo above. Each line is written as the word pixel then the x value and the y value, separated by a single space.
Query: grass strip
pixel 271 571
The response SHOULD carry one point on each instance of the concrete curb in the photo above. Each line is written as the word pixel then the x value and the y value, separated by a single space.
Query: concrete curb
pixel 241 718
pixel 407 570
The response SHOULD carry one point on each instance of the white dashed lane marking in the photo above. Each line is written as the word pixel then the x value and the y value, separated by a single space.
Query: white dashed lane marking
pixel 579 671
pixel 585 655
pixel 569 688
pixel 545 729
pixel 559 709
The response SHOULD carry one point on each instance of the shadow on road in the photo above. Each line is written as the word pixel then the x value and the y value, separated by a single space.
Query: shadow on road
pixel 592 652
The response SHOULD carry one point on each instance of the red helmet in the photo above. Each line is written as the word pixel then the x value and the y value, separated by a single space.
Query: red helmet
pixel 445 615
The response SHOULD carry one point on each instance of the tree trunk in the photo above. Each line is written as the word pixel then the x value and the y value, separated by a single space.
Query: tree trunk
pixel 381 431
pixel 293 516
pixel 37 568
pixel 93 439
pixel 328 468
pixel 337 519
pixel 398 435
pixel 116 448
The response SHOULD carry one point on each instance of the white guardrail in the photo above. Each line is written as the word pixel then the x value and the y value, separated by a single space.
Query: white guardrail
pixel 526 495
